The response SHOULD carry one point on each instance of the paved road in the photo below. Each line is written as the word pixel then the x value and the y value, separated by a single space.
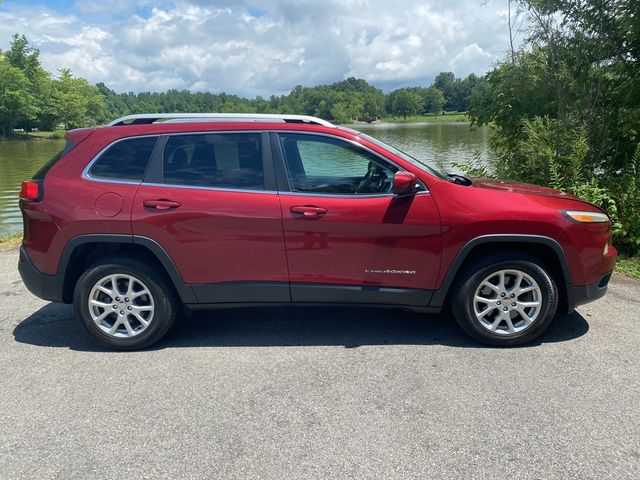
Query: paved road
pixel 318 393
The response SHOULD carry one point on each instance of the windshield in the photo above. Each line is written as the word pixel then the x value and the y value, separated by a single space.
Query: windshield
pixel 407 157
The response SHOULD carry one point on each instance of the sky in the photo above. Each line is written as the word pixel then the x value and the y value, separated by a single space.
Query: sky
pixel 265 47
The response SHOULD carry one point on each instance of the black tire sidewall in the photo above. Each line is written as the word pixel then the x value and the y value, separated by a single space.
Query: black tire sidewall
pixel 164 308
pixel 463 304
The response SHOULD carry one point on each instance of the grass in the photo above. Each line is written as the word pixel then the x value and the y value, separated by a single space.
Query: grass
pixel 54 134
pixel 449 117
pixel 9 241
pixel 57 134
pixel 629 266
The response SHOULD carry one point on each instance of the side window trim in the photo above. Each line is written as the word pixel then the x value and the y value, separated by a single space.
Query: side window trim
pixel 154 169
pixel 268 167
pixel 280 166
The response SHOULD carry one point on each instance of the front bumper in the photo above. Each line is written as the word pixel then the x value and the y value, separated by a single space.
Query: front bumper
pixel 47 287
pixel 579 295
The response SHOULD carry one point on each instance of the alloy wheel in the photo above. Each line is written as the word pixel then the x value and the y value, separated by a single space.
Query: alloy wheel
pixel 121 305
pixel 507 302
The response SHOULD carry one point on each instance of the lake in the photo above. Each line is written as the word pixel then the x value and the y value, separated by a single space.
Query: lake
pixel 441 145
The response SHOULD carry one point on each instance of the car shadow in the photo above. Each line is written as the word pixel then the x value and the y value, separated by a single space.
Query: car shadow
pixel 55 326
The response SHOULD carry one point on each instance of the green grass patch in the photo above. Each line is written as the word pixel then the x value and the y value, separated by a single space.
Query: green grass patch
pixel 9 241
pixel 52 135
pixel 629 266
pixel 449 117
pixel 55 135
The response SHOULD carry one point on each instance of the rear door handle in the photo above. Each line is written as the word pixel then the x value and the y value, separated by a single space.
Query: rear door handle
pixel 160 204
pixel 308 210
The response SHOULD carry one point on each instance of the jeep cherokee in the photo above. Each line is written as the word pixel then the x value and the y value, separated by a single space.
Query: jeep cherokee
pixel 133 221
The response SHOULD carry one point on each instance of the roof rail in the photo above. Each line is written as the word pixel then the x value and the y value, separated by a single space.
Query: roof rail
pixel 146 118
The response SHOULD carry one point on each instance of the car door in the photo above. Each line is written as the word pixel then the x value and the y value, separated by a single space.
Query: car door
pixel 348 237
pixel 209 200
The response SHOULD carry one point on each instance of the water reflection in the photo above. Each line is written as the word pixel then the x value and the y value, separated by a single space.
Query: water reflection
pixel 19 160
pixel 440 145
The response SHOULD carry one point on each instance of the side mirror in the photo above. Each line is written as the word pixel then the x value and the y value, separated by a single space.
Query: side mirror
pixel 404 183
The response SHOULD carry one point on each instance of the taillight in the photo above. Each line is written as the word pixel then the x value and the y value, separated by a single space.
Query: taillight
pixel 31 190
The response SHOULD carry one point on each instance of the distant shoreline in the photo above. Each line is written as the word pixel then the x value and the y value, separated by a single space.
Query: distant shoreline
pixel 53 135
pixel 449 118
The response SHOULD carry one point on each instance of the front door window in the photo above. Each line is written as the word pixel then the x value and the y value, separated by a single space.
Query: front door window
pixel 325 165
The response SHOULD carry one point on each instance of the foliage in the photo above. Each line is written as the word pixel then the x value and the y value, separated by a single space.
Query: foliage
pixel 16 102
pixel 77 102
pixel 341 102
pixel 629 266
pixel 566 107
pixel 30 97
pixel 404 102
pixel 457 92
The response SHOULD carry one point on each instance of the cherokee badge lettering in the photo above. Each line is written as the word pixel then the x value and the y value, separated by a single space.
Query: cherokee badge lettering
pixel 390 271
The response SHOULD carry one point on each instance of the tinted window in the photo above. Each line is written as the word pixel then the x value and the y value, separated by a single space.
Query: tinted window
pixel 125 160
pixel 318 164
pixel 221 160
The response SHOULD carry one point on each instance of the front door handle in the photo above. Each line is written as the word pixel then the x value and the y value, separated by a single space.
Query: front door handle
pixel 308 210
pixel 160 204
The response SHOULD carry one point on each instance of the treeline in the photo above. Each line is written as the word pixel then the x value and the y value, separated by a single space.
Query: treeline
pixel 566 107
pixel 31 97
pixel 341 102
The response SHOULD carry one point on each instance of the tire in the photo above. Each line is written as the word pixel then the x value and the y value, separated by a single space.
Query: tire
pixel 498 314
pixel 117 321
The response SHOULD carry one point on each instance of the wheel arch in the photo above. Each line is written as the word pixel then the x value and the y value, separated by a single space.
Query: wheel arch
pixel 84 250
pixel 548 250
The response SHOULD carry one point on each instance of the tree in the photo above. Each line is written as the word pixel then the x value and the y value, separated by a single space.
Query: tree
pixel 433 100
pixel 76 102
pixel 16 102
pixel 446 83
pixel 27 59
pixel 404 103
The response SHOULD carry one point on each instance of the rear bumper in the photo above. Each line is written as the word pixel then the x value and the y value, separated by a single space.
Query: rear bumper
pixel 47 287
pixel 579 295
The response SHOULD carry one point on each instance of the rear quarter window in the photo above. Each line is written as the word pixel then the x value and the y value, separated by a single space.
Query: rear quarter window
pixel 124 160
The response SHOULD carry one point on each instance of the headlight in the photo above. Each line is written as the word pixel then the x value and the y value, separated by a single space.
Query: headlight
pixel 586 217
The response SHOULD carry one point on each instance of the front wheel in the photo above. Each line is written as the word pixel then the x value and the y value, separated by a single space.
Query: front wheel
pixel 505 302
pixel 124 304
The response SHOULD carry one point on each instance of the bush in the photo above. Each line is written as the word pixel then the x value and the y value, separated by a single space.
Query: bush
pixel 553 153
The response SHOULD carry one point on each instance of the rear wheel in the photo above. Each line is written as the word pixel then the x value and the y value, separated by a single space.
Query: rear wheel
pixel 505 301
pixel 124 304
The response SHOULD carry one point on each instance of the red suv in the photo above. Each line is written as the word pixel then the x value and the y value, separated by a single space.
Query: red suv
pixel 152 213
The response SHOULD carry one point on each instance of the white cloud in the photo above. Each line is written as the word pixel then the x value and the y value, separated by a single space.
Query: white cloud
pixel 259 48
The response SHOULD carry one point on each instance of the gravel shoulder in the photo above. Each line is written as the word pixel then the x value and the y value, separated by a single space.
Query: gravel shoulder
pixel 270 393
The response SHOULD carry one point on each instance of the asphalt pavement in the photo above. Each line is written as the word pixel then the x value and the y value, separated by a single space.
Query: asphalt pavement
pixel 318 393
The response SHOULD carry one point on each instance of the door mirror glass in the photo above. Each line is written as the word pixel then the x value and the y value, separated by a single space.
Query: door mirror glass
pixel 404 183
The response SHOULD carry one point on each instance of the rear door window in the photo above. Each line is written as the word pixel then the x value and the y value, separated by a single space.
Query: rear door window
pixel 220 160
pixel 125 160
